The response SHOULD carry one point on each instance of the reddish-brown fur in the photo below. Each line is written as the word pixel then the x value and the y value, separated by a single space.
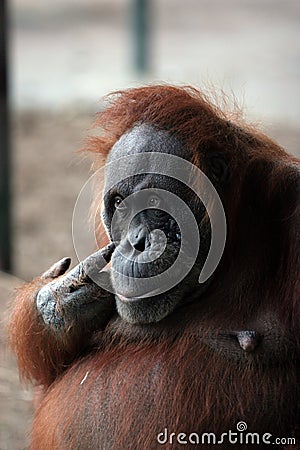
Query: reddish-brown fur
pixel 186 372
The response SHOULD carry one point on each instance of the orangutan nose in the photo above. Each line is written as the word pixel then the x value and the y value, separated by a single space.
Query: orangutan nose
pixel 139 238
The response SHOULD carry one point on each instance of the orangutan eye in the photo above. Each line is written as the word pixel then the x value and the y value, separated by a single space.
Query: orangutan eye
pixel 154 201
pixel 119 202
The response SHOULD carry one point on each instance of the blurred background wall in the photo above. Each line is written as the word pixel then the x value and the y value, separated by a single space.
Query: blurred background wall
pixel 65 54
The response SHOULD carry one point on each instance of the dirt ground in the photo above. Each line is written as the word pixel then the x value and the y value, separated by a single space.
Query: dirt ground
pixel 48 176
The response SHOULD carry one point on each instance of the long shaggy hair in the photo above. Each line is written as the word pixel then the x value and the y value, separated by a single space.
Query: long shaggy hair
pixel 178 373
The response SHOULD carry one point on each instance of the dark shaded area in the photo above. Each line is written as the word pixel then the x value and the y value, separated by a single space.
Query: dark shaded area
pixel 5 197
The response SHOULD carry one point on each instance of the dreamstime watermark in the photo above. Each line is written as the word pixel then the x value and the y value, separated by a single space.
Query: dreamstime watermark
pixel 156 165
pixel 241 437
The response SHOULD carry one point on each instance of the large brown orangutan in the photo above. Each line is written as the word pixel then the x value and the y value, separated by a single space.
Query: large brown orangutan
pixel 178 363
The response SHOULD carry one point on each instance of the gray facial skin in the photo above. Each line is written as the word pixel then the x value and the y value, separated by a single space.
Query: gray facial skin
pixel 135 241
pixel 147 241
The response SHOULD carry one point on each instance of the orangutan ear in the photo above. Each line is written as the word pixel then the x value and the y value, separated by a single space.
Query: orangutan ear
pixel 218 168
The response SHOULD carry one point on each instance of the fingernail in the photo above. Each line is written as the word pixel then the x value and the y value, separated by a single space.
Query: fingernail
pixel 57 269
pixel 108 251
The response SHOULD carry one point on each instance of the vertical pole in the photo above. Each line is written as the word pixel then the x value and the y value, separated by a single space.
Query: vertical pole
pixel 141 22
pixel 5 211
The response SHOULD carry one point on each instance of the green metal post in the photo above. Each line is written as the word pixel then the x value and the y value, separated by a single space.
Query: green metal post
pixel 141 22
pixel 5 211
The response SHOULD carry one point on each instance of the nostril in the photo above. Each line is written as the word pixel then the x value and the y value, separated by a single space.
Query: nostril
pixel 140 246
pixel 138 240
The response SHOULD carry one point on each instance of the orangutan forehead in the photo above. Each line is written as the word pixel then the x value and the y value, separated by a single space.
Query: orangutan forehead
pixel 146 138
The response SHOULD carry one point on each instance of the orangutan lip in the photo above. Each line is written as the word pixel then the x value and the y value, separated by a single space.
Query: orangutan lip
pixel 126 299
pixel 140 297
